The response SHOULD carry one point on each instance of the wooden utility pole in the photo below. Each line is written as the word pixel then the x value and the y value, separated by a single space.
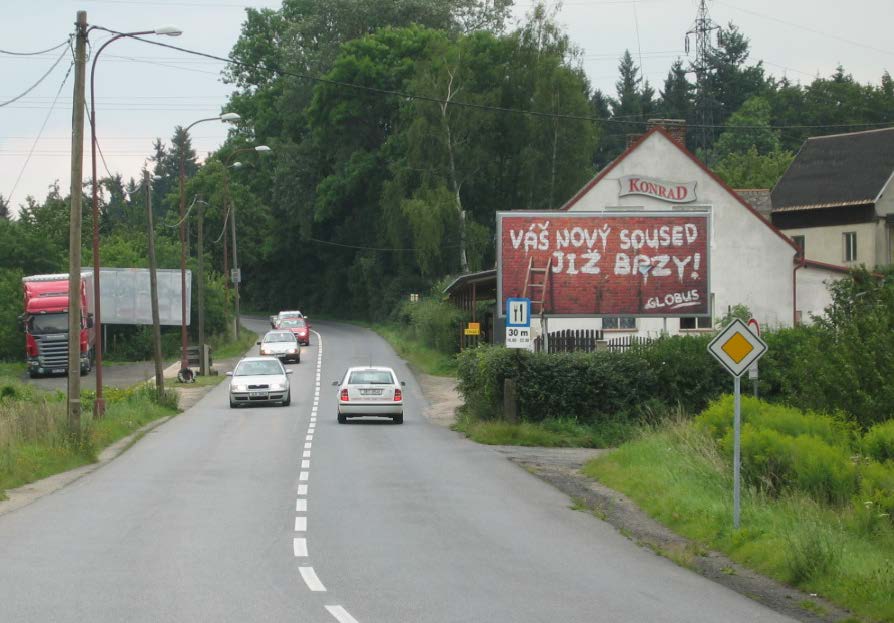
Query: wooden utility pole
pixel 153 292
pixel 238 278
pixel 200 270
pixel 74 228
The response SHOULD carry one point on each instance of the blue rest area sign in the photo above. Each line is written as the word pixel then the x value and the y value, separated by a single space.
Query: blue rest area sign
pixel 518 312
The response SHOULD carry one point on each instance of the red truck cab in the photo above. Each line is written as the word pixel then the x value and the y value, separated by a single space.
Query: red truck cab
pixel 45 322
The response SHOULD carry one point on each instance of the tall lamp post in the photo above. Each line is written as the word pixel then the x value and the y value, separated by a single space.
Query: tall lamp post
pixel 184 360
pixel 99 405
pixel 260 149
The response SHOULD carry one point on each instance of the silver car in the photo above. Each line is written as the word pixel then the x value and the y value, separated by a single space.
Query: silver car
pixel 282 344
pixel 259 380
pixel 371 391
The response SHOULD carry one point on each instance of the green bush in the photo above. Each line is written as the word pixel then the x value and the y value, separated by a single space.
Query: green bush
pixel 717 419
pixel 877 489
pixel 433 322
pixel 684 372
pixel 583 387
pixel 786 449
pixel 878 442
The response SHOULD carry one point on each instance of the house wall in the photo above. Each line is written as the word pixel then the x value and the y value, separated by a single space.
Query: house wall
pixel 750 263
pixel 826 244
pixel 813 292
pixel 885 232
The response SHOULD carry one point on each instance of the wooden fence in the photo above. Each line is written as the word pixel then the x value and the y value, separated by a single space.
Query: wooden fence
pixel 570 341
pixel 585 341
pixel 620 344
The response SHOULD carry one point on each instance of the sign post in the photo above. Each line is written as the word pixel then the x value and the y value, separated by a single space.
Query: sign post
pixel 518 323
pixel 737 348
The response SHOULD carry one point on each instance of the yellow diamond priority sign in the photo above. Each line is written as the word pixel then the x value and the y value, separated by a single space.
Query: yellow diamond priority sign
pixel 736 347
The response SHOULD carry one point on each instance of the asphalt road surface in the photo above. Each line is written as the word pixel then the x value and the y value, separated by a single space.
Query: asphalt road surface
pixel 113 375
pixel 282 514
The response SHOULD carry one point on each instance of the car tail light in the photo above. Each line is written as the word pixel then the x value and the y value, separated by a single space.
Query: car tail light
pixel 344 395
pixel 397 395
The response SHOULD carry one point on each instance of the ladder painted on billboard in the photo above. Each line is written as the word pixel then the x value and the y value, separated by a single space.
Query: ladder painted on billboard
pixel 535 290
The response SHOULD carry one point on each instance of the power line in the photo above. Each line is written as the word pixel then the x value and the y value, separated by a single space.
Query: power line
pixel 34 86
pixel 354 246
pixel 39 133
pixel 807 28
pixel 55 47
pixel 472 105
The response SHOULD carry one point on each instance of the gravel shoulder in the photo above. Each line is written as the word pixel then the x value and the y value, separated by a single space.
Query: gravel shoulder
pixel 561 467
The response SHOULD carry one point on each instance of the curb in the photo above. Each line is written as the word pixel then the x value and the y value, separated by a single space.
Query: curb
pixel 618 510
pixel 27 494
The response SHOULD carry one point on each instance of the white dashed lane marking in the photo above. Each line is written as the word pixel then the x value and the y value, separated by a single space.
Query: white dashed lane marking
pixel 302 489
pixel 301 523
pixel 303 476
pixel 310 578
pixel 301 505
pixel 341 615
pixel 299 547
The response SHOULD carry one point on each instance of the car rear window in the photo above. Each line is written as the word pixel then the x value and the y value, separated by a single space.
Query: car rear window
pixel 292 322
pixel 371 377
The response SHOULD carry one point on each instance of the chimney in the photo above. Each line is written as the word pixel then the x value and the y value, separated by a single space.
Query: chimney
pixel 676 128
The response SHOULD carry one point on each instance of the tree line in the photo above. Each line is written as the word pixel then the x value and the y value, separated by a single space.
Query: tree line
pixel 399 129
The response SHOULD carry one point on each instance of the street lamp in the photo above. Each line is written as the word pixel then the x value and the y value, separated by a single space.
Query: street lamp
pixel 99 405
pixel 185 373
pixel 260 149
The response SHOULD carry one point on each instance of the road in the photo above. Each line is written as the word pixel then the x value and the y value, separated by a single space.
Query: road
pixel 113 375
pixel 282 514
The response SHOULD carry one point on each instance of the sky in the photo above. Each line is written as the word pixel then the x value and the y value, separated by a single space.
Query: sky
pixel 143 92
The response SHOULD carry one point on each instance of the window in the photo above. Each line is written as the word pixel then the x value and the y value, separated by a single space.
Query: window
pixel 619 323
pixel 799 240
pixel 693 324
pixel 690 324
pixel 850 246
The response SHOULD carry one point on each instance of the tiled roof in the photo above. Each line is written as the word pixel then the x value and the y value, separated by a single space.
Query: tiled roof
pixel 843 169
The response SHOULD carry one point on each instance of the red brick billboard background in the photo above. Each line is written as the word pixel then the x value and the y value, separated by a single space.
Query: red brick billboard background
pixel 631 264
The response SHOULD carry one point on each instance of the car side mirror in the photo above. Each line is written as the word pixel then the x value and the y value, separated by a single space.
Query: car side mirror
pixel 403 383
pixel 290 371
pixel 258 343
pixel 229 374
pixel 89 321
pixel 20 322
pixel 334 383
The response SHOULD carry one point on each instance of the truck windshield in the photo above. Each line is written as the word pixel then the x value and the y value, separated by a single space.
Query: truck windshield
pixel 49 323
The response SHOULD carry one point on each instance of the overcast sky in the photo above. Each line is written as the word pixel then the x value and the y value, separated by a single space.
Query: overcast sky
pixel 143 91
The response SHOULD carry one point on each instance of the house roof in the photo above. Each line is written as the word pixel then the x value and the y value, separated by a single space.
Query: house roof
pixel 659 130
pixel 487 277
pixel 837 170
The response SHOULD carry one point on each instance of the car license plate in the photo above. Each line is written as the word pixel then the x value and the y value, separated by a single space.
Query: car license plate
pixel 58 370
pixel 256 394
pixel 370 392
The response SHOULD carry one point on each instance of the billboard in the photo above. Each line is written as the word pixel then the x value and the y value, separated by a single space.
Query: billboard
pixel 125 296
pixel 606 263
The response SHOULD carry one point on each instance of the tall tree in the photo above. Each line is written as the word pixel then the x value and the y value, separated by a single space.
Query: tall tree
pixel 4 208
pixel 676 96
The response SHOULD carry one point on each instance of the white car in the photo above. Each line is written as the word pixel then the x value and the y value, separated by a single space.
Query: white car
pixel 282 344
pixel 259 380
pixel 373 391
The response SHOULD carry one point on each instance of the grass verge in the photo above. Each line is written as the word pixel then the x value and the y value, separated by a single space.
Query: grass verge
pixel 677 475
pixel 234 348
pixel 559 433
pixel 420 356
pixel 34 438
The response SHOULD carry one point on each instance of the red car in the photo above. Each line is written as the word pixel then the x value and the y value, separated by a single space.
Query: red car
pixel 299 327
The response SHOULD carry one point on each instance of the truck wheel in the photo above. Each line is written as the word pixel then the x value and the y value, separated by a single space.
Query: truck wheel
pixel 33 374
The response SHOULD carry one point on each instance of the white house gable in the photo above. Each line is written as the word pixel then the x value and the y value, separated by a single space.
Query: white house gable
pixel 751 263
